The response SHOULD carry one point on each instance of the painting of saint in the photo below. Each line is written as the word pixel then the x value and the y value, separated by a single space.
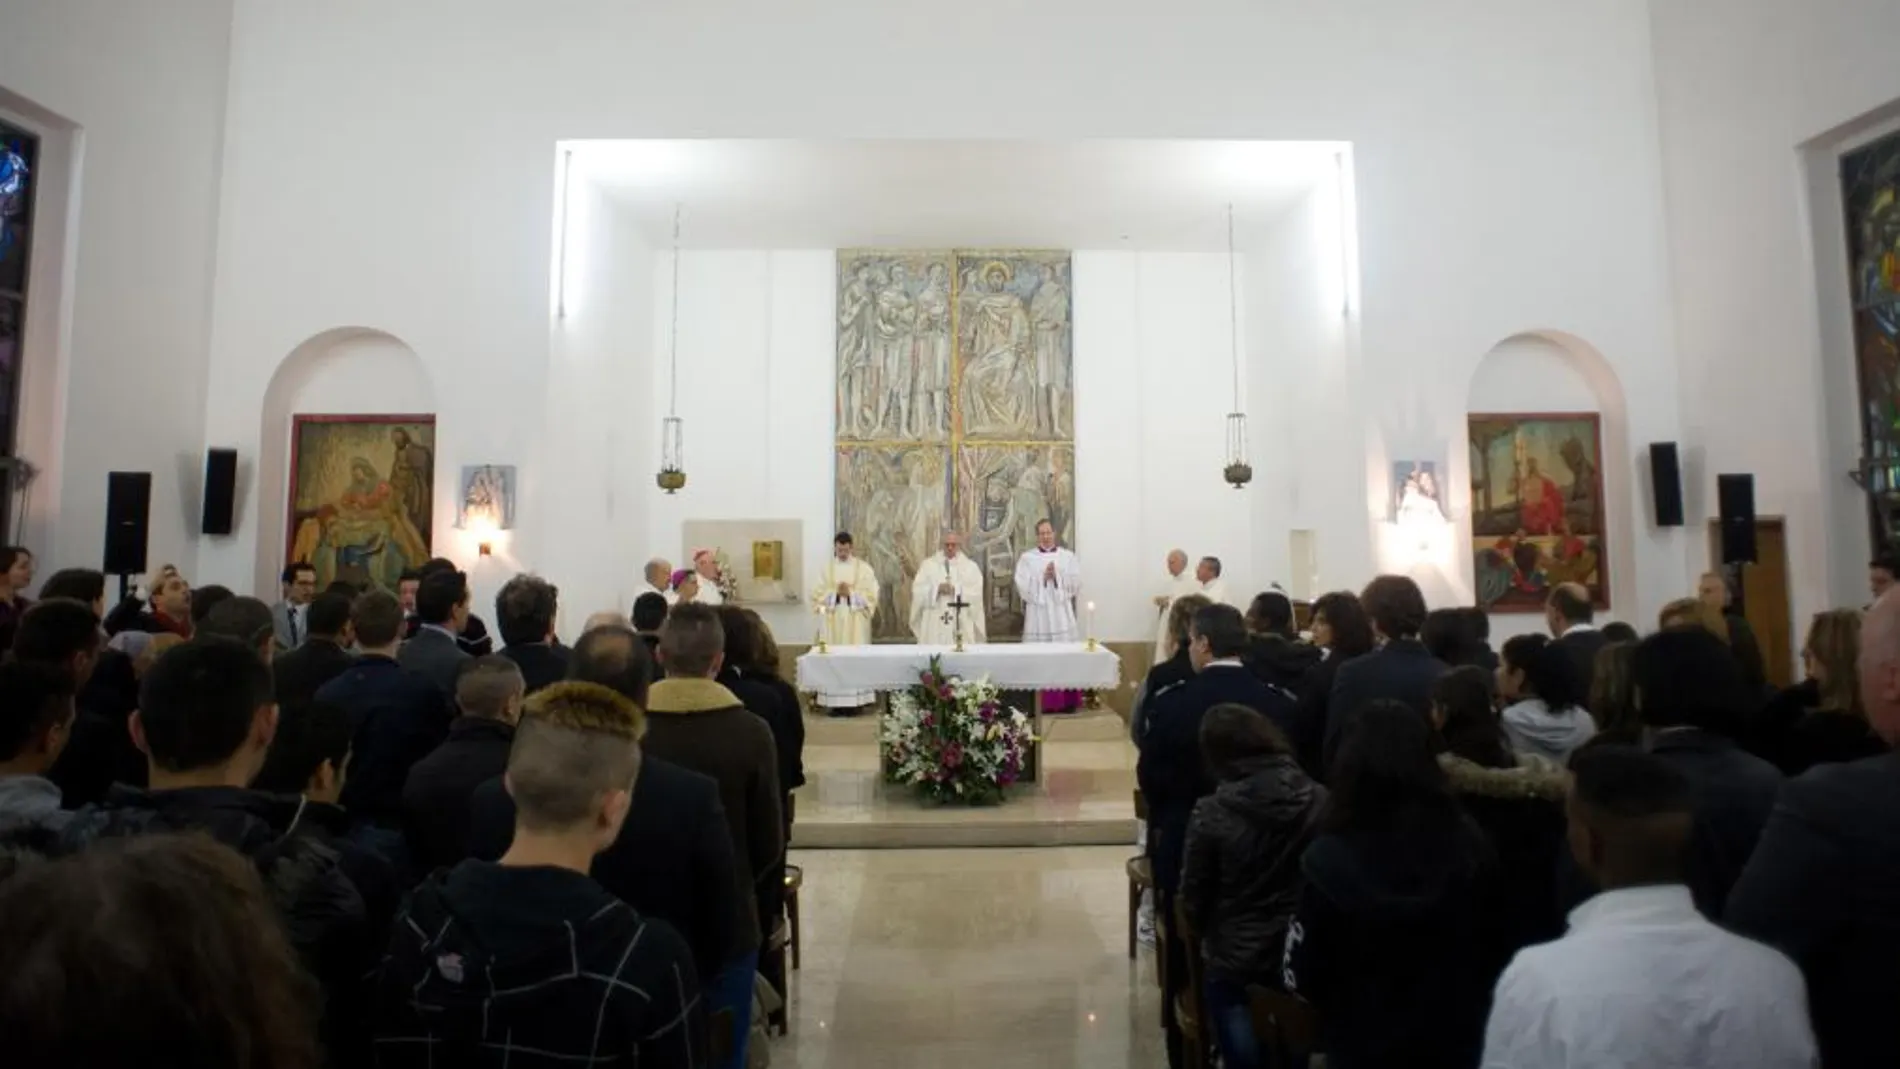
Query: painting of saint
pixel 488 497
pixel 1415 491
pixel 347 518
pixel 1536 508
pixel 1870 196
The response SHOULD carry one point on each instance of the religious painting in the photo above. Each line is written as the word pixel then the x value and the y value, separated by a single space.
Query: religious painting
pixel 762 561
pixel 487 501
pixel 768 560
pixel 362 496
pixel 1537 508
pixel 954 403
pixel 1870 196
pixel 1415 491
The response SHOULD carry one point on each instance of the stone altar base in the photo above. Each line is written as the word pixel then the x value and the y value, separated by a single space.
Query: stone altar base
pixel 1084 795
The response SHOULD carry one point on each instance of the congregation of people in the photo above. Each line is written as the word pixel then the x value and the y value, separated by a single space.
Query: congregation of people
pixel 353 827
pixel 1376 837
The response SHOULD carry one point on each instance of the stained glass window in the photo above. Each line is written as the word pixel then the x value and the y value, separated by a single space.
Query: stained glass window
pixel 1870 193
pixel 19 162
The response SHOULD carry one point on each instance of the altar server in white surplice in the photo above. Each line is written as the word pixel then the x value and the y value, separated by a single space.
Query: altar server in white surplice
pixel 1180 583
pixel 845 599
pixel 1049 579
pixel 942 580
pixel 1213 587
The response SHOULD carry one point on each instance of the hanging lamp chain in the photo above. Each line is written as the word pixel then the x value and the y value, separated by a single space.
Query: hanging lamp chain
pixel 1233 306
pixel 673 332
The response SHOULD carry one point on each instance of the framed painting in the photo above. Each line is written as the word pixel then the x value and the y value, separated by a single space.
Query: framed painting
pixel 1537 508
pixel 487 500
pixel 362 496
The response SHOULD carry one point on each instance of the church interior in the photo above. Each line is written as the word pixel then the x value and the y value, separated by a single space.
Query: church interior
pixel 1500 297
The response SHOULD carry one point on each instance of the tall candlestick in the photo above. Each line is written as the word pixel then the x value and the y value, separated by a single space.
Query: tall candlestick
pixel 1091 625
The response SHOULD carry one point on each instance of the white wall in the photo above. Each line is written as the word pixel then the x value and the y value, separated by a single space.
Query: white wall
pixel 1743 86
pixel 132 98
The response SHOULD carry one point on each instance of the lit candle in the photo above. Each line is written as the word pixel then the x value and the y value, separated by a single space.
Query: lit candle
pixel 1091 620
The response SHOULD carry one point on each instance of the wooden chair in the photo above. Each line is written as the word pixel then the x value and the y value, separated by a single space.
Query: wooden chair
pixel 1141 878
pixel 794 879
pixel 1190 1009
pixel 1286 1026
pixel 772 967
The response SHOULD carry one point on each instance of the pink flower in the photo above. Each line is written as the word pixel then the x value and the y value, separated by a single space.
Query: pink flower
pixel 987 713
pixel 928 720
pixel 952 756
pixel 928 679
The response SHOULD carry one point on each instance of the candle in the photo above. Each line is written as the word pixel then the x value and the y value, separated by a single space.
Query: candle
pixel 1091 620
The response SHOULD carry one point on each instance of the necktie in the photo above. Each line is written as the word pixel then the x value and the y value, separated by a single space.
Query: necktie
pixel 295 625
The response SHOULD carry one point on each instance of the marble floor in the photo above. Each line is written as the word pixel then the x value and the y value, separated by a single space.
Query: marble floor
pixel 952 959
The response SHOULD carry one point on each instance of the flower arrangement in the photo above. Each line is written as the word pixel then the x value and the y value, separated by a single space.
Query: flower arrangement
pixel 954 740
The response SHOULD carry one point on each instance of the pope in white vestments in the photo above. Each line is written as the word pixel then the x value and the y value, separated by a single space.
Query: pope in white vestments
pixel 942 580
pixel 845 600
pixel 1180 583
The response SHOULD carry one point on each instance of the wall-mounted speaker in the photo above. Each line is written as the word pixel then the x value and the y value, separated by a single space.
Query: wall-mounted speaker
pixel 128 514
pixel 1665 483
pixel 220 491
pixel 1736 495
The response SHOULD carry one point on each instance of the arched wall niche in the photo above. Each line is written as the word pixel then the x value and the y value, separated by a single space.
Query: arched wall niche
pixel 342 371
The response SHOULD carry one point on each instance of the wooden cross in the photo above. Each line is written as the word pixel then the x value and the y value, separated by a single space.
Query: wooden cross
pixel 957 607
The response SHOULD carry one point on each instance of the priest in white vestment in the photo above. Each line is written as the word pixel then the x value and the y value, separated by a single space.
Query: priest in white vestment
pixel 943 580
pixel 1049 579
pixel 659 580
pixel 707 567
pixel 1213 587
pixel 845 600
pixel 1180 583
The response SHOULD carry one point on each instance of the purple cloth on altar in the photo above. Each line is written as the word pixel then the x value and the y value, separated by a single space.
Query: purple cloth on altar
pixel 1062 701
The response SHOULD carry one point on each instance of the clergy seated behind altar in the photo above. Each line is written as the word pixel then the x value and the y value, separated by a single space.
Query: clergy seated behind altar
pixel 845 600
pixel 946 598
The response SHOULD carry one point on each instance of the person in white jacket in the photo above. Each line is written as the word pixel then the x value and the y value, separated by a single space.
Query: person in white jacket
pixel 1642 978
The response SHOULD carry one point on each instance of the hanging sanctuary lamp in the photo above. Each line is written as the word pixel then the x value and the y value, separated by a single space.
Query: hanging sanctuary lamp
pixel 1238 472
pixel 672 474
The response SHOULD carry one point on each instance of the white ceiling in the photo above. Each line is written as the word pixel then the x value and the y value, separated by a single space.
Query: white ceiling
pixel 1168 195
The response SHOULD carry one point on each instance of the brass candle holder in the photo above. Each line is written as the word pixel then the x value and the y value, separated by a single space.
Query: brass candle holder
pixel 823 619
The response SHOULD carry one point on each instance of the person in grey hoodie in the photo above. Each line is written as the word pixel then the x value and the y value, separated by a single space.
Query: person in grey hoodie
pixel 1543 711
pixel 36 715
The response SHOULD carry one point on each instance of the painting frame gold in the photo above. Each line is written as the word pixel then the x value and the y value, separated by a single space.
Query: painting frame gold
pixel 1524 545
pixel 373 528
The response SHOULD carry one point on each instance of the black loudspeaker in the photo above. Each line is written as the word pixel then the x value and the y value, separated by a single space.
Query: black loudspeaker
pixel 1665 483
pixel 220 491
pixel 1736 494
pixel 128 511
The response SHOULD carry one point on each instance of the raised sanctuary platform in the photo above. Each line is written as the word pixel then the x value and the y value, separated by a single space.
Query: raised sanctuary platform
pixel 1084 796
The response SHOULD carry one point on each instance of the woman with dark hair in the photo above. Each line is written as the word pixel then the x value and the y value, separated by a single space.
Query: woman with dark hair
pixel 1452 636
pixel 167 945
pixel 1342 632
pixel 740 675
pixel 1820 720
pixel 1545 714
pixel 1618 631
pixel 1613 696
pixel 1241 878
pixel 1387 942
pixel 16 575
pixel 1516 799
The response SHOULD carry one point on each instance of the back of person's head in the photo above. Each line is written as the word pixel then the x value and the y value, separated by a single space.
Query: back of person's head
pixel 200 705
pixel 440 595
pixel 343 587
pixel 1533 666
pixel 1223 629
pixel 1385 776
pixel 649 612
pixel 1686 677
pixel 524 610
pixel 328 615
pixel 1832 651
pixel 1467 724
pixel 377 620
pixel 1693 612
pixel 206 598
pixel 615 658
pixel 1480 622
pixel 309 751
pixel 151 950
pixel 1271 614
pixel 245 620
pixel 1631 814
pixel 1235 738
pixel 1181 619
pixel 1618 631
pixel 765 655
pixel 1451 636
pixel 59 632
pixel 79 584
pixel 1613 692
pixel 36 711
pixel 1570 603
pixel 490 688
pixel 1344 620
pixel 742 637
pixel 434 566
pixel 575 756
pixel 1395 605
pixel 692 641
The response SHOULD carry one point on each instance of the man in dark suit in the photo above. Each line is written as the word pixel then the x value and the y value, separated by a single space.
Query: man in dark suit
pixel 1401 669
pixel 525 610
pixel 472 635
pixel 323 655
pixel 673 858
pixel 1823 885
pixel 435 798
pixel 1569 615
pixel 1690 693
pixel 290 620
pixel 433 653
pixel 397 716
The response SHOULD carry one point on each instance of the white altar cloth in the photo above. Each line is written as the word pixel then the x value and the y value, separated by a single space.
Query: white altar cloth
pixel 1012 666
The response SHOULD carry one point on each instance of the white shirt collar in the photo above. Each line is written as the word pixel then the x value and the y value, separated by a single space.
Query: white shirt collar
pixel 1578 629
pixel 1657 903
pixel 1225 662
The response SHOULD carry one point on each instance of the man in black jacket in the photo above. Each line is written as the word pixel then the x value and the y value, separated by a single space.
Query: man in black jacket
pixel 1274 650
pixel 1569 613
pixel 1823 885
pixel 435 800
pixel 323 656
pixel 206 720
pixel 471 635
pixel 525 611
pixel 1401 669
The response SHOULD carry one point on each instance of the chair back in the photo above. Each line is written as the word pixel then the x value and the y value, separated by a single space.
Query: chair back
pixel 1286 1027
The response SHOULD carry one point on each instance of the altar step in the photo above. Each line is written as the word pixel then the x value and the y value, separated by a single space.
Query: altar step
pixel 1084 798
